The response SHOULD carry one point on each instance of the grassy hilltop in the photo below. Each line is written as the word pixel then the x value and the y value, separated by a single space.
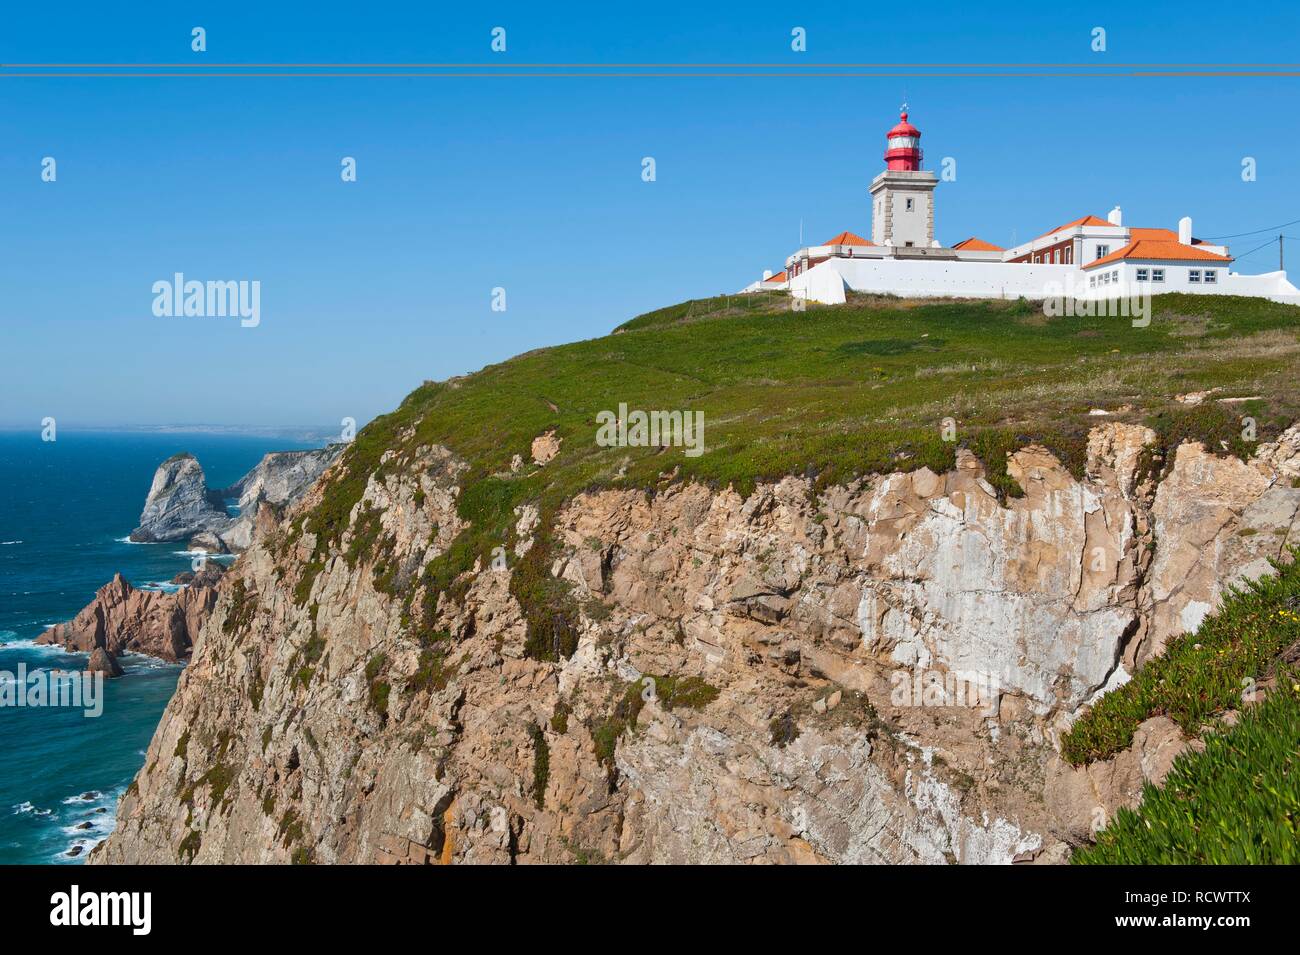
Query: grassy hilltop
pixel 857 388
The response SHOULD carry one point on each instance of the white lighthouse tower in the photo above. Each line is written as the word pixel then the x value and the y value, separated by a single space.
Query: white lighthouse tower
pixel 902 197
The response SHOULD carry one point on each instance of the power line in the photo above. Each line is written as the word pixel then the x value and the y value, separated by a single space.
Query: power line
pixel 1272 228
pixel 1254 250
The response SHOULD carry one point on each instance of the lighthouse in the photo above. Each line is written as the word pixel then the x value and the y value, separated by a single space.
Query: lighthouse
pixel 902 196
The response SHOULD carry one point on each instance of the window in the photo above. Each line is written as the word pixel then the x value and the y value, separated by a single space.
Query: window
pixel 1142 274
pixel 1103 251
pixel 1211 276
pixel 1105 278
pixel 909 204
pixel 1054 252
pixel 1157 275
pixel 1194 275
pixel 1092 281
pixel 1115 276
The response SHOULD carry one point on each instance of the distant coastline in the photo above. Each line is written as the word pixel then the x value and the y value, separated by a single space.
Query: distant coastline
pixel 302 433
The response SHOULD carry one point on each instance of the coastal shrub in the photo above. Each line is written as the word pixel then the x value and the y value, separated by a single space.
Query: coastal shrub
pixel 690 692
pixel 1235 803
pixel 1216 426
pixel 255 690
pixel 189 846
pixel 1200 674
pixel 243 607
pixel 560 717
pixel 541 764
pixel 378 689
pixel 302 589
pixel 290 829
pixel 432 673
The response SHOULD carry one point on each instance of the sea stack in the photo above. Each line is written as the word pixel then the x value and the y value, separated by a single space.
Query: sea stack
pixel 101 661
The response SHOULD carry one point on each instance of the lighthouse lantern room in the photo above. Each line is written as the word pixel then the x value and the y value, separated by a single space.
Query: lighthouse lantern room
pixel 904 146
pixel 902 197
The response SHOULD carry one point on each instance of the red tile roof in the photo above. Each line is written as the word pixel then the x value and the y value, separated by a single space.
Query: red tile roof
pixel 779 277
pixel 1166 235
pixel 1161 250
pixel 978 245
pixel 846 238
pixel 1084 220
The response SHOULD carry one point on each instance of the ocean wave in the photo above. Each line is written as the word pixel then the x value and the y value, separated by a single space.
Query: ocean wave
pixel 26 808
pixel 100 825
pixel 87 798
pixel 127 540
pixel 161 586
pixel 33 647
pixel 142 661
pixel 9 543
pixel 100 816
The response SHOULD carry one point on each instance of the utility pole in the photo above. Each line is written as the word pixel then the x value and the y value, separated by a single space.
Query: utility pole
pixel 1281 265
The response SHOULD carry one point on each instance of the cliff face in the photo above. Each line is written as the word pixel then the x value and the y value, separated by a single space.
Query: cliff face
pixel 280 478
pixel 875 672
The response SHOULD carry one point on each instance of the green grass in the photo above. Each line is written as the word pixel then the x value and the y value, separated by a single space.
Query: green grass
pixel 1238 802
pixel 1200 674
pixel 831 393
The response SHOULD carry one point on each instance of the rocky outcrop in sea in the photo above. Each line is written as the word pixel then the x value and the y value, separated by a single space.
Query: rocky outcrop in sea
pixel 180 503
pixel 123 619
pixel 181 507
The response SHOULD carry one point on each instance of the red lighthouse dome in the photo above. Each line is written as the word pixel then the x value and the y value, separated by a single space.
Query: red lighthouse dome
pixel 903 145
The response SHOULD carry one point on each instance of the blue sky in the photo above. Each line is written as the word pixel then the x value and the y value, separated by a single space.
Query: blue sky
pixel 534 185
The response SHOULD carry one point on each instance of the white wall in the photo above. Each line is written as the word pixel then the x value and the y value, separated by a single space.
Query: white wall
pixel 1272 285
pixel 830 281
pixel 921 279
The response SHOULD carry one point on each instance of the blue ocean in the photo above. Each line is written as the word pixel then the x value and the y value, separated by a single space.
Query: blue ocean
pixel 68 506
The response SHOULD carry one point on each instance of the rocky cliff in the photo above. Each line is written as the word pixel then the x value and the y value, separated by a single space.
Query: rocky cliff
pixel 280 478
pixel 180 505
pixel 876 671
pixel 122 619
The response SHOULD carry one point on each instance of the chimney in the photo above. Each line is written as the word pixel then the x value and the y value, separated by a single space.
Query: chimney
pixel 1115 217
pixel 1185 230
pixel 767 274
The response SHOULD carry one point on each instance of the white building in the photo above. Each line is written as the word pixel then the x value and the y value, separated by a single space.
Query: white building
pixel 1088 257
